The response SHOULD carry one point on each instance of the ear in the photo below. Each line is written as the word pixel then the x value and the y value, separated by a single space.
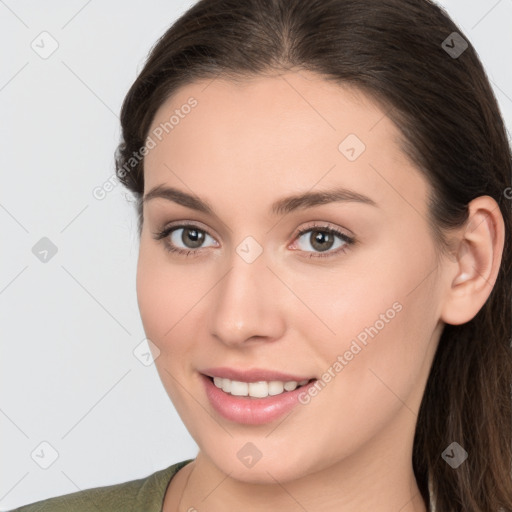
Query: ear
pixel 471 277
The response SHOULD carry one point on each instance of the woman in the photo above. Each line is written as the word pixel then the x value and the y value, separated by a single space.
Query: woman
pixel 325 265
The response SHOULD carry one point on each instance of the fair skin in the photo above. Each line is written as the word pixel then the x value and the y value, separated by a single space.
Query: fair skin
pixel 241 148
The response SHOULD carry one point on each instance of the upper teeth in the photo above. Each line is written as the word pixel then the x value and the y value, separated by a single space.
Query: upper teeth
pixel 259 389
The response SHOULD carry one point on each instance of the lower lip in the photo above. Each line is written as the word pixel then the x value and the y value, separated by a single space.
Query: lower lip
pixel 252 411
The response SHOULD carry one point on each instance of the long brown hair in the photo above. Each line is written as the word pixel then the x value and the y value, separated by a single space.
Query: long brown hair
pixel 404 54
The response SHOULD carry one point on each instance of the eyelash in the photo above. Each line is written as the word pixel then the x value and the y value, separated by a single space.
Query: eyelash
pixel 349 241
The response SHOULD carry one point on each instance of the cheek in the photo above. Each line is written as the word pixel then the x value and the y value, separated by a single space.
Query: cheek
pixel 170 299
pixel 380 318
pixel 161 306
pixel 161 296
pixel 151 296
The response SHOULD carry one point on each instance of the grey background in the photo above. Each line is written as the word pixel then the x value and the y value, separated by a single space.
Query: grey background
pixel 70 325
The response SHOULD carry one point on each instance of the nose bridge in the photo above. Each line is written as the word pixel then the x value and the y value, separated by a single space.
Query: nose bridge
pixel 246 302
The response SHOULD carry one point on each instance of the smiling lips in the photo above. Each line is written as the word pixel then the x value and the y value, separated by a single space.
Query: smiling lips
pixel 259 389
pixel 252 396
pixel 257 383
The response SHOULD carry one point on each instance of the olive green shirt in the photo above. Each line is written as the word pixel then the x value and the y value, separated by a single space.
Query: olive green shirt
pixel 142 495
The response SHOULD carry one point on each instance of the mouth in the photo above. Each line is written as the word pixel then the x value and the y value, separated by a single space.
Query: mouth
pixel 257 389
pixel 238 405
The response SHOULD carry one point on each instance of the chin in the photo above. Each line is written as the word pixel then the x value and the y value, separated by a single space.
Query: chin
pixel 267 470
pixel 263 473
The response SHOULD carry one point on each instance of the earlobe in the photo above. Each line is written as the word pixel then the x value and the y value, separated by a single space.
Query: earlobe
pixel 471 277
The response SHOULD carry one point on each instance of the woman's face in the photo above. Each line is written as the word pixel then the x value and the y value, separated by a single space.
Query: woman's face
pixel 361 317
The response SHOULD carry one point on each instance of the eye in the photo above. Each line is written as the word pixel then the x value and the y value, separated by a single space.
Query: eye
pixel 188 239
pixel 189 235
pixel 323 238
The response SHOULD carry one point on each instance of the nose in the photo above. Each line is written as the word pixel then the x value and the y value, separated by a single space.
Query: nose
pixel 248 304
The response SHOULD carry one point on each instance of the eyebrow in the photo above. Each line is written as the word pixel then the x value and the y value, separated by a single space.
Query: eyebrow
pixel 280 207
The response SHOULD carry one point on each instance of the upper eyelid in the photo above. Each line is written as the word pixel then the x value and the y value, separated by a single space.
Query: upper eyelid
pixel 320 225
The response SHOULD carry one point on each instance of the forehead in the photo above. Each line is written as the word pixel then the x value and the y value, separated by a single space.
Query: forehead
pixel 302 100
pixel 287 131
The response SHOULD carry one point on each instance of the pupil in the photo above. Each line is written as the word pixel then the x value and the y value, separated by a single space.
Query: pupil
pixel 322 239
pixel 193 235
